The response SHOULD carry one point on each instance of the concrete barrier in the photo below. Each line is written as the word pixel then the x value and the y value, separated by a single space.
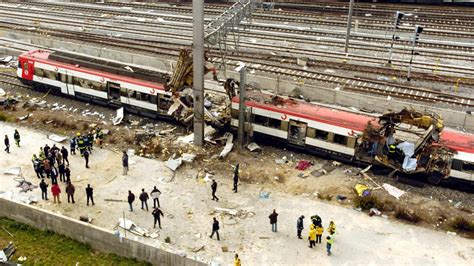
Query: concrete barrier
pixel 99 239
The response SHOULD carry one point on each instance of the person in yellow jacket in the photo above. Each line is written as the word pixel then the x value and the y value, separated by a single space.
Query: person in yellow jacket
pixel 312 236
pixel 319 234
pixel 332 228
pixel 237 260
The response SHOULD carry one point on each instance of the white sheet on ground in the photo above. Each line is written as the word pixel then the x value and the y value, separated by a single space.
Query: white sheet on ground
pixel 394 191
pixel 57 138
pixel 118 119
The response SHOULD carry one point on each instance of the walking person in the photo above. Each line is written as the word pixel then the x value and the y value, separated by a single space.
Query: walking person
pixel 319 233
pixel 144 198
pixel 65 155
pixel 329 243
pixel 125 162
pixel 214 189
pixel 155 195
pixel 70 189
pixel 44 189
pixel 7 144
pixel 299 226
pixel 62 172
pixel 215 228
pixel 156 215
pixel 273 220
pixel 86 157
pixel 56 191
pixel 312 236
pixel 16 136
pixel 130 199
pixel 90 194
pixel 236 178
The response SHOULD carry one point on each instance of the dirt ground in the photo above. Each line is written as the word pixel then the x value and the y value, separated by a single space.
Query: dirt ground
pixel 189 210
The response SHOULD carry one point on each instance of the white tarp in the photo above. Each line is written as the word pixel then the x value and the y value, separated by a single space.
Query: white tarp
pixel 228 145
pixel 57 138
pixel 394 191
pixel 173 164
pixel 118 119
pixel 408 148
pixel 125 223
pixel 13 171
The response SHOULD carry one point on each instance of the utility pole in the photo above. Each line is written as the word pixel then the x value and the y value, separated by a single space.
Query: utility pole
pixel 398 16
pixel 349 25
pixel 241 136
pixel 418 30
pixel 198 71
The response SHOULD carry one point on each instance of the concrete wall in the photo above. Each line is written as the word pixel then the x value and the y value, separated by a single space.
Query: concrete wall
pixel 278 84
pixel 98 238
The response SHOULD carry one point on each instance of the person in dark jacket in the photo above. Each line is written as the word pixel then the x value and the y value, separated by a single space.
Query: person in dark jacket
pixel 144 199
pixel 70 189
pixel 16 136
pixel 46 150
pixel 214 189
pixel 215 228
pixel 131 199
pixel 155 195
pixel 62 172
pixel 65 154
pixel 67 172
pixel 7 144
pixel 44 189
pixel 47 167
pixel 125 162
pixel 90 194
pixel 37 166
pixel 299 226
pixel 156 215
pixel 86 157
pixel 273 220
pixel 236 178
pixel 54 175
pixel 72 145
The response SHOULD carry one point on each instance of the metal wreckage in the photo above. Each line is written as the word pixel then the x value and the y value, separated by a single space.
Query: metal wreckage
pixel 407 141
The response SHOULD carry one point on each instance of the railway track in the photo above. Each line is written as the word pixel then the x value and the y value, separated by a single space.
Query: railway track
pixel 11 80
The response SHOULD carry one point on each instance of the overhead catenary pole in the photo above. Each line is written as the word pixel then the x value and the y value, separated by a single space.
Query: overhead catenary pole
pixel 349 25
pixel 241 136
pixel 198 71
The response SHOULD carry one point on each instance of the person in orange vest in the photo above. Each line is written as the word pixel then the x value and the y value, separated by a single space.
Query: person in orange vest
pixel 319 234
pixel 312 236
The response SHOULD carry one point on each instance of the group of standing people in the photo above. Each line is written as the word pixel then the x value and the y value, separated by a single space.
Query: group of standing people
pixel 143 197
pixel 85 143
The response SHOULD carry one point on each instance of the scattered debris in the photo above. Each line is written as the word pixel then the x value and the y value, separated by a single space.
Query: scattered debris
pixel 280 161
pixel 264 195
pixel 451 233
pixel 253 147
pixel 131 227
pixel 374 211
pixel 7 252
pixel 303 165
pixel 21 118
pixel 227 211
pixel 57 138
pixel 168 240
pixel 85 219
pixel 2 92
pixel 458 204
pixel 228 145
pixel 225 249
pixel 341 197
pixel 118 119
pixel 167 131
pixel 197 249
pixel 362 190
pixel 396 192
pixel 188 157
pixel 13 171
pixel 173 164
pixel 7 231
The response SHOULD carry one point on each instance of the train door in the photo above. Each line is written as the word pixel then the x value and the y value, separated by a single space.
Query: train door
pixel 297 132
pixel 66 80
pixel 113 91
pixel 28 69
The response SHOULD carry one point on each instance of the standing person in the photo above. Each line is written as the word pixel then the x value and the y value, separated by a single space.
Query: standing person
pixel 332 228
pixel 67 171
pixel 273 220
pixel 99 135
pixel 312 236
pixel 7 144
pixel 46 150
pixel 144 198
pixel 215 228
pixel 72 145
pixel 90 194
pixel 80 143
pixel 59 158
pixel 155 195
pixel 65 154
pixel 299 226
pixel 70 189
pixel 62 172
pixel 236 178
pixel 125 162
pixel 47 167
pixel 56 191
pixel 54 175
pixel 130 199
pixel 214 189
pixel 319 233
pixel 54 151
pixel 329 243
pixel 44 189
pixel 90 136
pixel 41 155
pixel 237 260
pixel 37 166
pixel 156 215
pixel 16 136
pixel 86 157
pixel 86 142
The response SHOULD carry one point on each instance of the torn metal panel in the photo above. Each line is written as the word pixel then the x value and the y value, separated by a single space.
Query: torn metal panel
pixel 119 117
pixel 228 146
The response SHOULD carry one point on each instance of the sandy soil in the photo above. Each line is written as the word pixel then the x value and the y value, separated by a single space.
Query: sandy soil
pixel 189 210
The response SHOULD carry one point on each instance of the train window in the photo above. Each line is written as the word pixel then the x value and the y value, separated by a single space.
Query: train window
pixel 19 64
pixel 457 165
pixel 50 75
pixel 351 142
pixel 39 72
pixel 340 139
pixel 284 125
pixel 260 120
pixel 96 85
pixel 164 102
pixel 63 78
pixel 25 65
pixel 310 132
pixel 76 81
pixel 153 99
pixel 321 134
pixel 145 97
pixel 468 167
pixel 274 123
pixel 138 96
